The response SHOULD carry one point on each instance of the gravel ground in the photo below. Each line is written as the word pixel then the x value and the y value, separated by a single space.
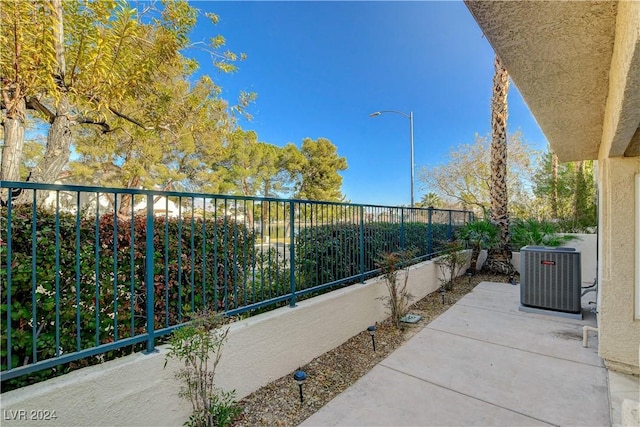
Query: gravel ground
pixel 278 403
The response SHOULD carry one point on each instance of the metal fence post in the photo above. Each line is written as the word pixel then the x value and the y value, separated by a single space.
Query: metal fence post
pixel 361 244
pixel 402 232
pixel 148 277
pixel 430 232
pixel 9 268
pixel 450 229
pixel 292 254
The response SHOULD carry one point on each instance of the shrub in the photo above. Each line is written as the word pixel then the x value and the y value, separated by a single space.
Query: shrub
pixel 198 345
pixel 104 301
pixel 478 235
pixel 539 233
pixel 328 253
pixel 390 263
pixel 450 264
pixel 270 277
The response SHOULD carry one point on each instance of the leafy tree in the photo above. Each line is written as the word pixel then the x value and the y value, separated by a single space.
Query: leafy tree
pixel 554 185
pixel 88 63
pixel 26 68
pixel 273 170
pixel 316 170
pixel 463 178
pixel 35 74
pixel 189 122
pixel 572 186
pixel 58 148
pixel 585 210
pixel 251 167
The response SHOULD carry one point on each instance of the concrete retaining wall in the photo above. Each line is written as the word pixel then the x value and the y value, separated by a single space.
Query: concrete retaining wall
pixel 138 390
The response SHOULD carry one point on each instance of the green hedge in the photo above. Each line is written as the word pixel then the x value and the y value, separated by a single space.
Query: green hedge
pixel 330 253
pixel 115 301
pixel 197 262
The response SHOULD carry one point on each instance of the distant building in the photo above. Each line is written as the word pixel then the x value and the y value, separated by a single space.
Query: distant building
pixel 161 207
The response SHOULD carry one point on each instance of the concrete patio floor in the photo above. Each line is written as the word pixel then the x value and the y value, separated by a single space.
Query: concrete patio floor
pixel 484 362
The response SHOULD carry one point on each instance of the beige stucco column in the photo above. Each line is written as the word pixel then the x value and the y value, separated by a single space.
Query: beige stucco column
pixel 619 334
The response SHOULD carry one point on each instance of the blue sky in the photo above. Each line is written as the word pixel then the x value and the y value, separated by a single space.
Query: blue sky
pixel 320 68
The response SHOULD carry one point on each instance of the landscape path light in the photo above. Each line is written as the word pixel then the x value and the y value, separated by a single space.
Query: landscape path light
pixel 300 377
pixel 372 332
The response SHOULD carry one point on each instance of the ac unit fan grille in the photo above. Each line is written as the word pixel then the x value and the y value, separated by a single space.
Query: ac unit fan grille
pixel 550 279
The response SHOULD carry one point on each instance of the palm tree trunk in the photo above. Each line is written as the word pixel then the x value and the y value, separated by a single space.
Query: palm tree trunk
pixel 499 259
pixel 473 265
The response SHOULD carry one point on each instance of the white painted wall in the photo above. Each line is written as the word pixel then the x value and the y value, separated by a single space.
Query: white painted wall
pixel 587 244
pixel 138 391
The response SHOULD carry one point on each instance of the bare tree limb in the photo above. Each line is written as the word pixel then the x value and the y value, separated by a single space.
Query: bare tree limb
pixel 130 119
pixel 101 123
pixel 35 104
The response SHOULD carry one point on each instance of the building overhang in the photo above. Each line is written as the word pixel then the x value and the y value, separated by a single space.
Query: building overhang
pixel 577 66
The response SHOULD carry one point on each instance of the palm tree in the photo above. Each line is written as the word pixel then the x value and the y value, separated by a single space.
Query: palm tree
pixel 499 258
pixel 538 233
pixel 478 235
pixel 430 200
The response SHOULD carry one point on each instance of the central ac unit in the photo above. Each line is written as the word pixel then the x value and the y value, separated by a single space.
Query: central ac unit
pixel 550 279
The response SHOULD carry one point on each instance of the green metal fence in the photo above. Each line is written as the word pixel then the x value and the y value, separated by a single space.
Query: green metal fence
pixel 90 270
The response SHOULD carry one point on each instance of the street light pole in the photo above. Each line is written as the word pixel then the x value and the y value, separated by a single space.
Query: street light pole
pixel 412 162
pixel 410 117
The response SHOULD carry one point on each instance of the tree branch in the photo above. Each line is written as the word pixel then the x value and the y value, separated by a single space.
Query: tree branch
pixel 101 123
pixel 130 119
pixel 35 104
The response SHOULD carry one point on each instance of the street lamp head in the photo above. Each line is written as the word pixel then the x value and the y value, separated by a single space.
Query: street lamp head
pixel 377 113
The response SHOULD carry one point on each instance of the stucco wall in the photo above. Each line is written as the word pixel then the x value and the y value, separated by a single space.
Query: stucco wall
pixel 619 335
pixel 138 390
pixel 622 112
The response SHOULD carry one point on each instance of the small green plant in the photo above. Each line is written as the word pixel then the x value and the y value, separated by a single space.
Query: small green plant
pixel 539 233
pixel 390 264
pixel 450 264
pixel 199 346
pixel 478 235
